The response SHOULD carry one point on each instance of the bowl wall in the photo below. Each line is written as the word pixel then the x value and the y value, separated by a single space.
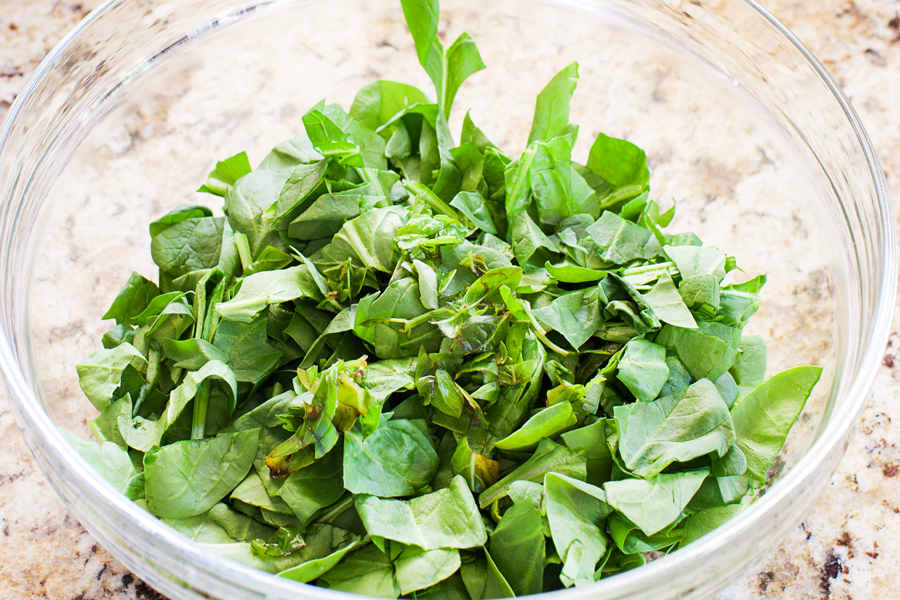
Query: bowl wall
pixel 742 131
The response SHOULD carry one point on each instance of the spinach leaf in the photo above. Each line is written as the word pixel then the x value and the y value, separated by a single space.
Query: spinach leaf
pixel 220 525
pixel 548 457
pixel 268 287
pixel 620 164
pixel 654 504
pixel 706 352
pixel 764 417
pixel 702 271
pixel 447 69
pixel 519 548
pixel 416 569
pixel 226 173
pixel 112 462
pixel 100 374
pixel 750 365
pixel 176 485
pixel 378 102
pixel 653 435
pixel 703 522
pixel 576 512
pixel 132 300
pixel 313 488
pixel 397 460
pixel 366 571
pixel 643 369
pixel 551 113
pixel 483 579
pixel 548 423
pixel 447 518
pixel 667 303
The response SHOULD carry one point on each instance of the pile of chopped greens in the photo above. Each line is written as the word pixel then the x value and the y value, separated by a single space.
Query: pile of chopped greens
pixel 401 366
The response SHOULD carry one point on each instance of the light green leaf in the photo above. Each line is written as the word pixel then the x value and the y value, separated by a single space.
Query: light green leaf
pixel 448 518
pixel 764 417
pixel 653 435
pixel 397 460
pixel 643 369
pixel 99 375
pixel 656 503
pixel 176 480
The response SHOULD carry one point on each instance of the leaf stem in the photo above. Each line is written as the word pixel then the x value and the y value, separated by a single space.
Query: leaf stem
pixel 201 405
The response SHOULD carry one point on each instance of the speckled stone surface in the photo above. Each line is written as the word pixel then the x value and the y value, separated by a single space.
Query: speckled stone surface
pixel 848 547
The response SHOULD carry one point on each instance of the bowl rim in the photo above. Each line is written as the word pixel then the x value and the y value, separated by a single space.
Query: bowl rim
pixel 834 433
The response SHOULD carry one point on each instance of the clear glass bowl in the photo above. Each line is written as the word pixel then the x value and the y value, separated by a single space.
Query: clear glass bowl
pixel 743 127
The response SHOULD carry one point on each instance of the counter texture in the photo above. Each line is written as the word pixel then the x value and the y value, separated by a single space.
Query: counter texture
pixel 847 547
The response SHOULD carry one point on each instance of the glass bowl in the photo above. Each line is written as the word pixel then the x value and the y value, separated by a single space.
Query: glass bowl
pixel 744 128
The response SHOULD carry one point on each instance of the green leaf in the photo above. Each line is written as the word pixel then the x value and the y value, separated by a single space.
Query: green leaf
pixel 448 518
pixel 132 300
pixel 397 460
pixel 643 369
pixel 483 579
pixel 378 102
pixel 189 245
pixel 385 377
pixel 551 112
pixel 519 549
pixel 591 442
pixel 303 182
pixel 447 70
pixel 247 347
pixel 619 241
pixel 177 215
pixel 226 173
pixel 548 423
pixel 656 503
pixel 668 304
pixel 249 205
pixel 576 512
pixel 367 571
pixel 368 240
pixel 315 487
pixel 330 140
pixel 705 521
pixel 576 315
pixel 474 206
pixel 708 351
pixel 750 365
pixel 325 546
pixel 479 471
pixel 289 154
pixel 764 417
pixel 702 271
pixel 549 457
pixel 112 462
pixel 177 484
pixel 193 353
pixel 653 435
pixel 622 165
pixel 417 569
pixel 630 540
pixel 268 287
pixel 567 273
pixel 99 375
pixel 220 525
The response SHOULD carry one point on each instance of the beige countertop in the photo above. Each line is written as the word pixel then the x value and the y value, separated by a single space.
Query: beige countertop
pixel 847 547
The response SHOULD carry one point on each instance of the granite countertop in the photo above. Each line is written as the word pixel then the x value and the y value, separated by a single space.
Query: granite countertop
pixel 845 548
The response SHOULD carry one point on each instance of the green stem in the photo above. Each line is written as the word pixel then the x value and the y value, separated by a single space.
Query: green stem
pixel 201 405
pixel 243 248
pixel 336 510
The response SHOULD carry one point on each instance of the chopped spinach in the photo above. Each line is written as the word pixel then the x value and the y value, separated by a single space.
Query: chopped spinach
pixel 397 366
